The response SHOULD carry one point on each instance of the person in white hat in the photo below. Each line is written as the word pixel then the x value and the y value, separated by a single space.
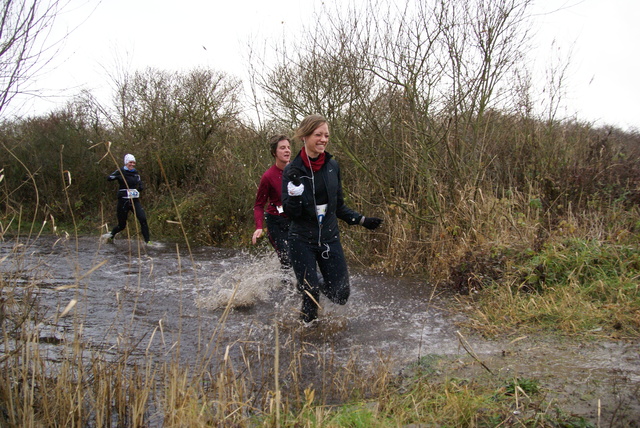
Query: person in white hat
pixel 130 186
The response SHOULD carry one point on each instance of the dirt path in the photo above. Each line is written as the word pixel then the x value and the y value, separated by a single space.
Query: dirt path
pixel 598 381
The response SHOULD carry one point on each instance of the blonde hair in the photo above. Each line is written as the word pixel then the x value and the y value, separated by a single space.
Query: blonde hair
pixel 308 125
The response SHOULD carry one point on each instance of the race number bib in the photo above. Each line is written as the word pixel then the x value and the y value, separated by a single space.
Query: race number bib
pixel 321 210
pixel 132 194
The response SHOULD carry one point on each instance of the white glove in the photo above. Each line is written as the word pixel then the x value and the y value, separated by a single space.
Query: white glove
pixel 294 190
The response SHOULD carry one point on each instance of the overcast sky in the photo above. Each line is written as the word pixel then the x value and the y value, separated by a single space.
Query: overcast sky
pixel 600 35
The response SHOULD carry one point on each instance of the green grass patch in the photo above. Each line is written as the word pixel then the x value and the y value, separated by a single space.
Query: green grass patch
pixel 444 402
pixel 575 286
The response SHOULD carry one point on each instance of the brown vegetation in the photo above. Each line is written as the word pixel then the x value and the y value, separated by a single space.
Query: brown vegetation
pixel 433 133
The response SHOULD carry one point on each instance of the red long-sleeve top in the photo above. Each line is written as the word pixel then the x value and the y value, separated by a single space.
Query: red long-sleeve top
pixel 269 191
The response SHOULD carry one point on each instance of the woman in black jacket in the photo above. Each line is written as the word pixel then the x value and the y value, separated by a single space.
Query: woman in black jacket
pixel 130 186
pixel 312 199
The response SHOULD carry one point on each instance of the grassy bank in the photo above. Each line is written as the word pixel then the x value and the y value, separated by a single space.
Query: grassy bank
pixel 581 279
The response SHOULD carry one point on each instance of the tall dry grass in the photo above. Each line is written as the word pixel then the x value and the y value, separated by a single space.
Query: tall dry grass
pixel 576 274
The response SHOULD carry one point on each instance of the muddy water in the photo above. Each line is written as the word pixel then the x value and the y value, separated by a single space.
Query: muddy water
pixel 207 302
pixel 139 290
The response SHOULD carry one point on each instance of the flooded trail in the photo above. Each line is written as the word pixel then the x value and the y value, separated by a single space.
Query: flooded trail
pixel 124 293
pixel 164 300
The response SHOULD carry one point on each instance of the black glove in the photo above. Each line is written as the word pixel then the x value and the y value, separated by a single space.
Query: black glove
pixel 371 222
pixel 294 174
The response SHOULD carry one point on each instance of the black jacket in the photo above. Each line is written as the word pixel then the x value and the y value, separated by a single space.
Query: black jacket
pixel 301 210
pixel 126 180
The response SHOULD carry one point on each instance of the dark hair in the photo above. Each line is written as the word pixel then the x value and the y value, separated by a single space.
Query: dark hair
pixel 308 125
pixel 273 143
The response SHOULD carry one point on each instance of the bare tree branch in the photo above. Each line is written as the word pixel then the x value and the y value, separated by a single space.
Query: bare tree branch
pixel 25 27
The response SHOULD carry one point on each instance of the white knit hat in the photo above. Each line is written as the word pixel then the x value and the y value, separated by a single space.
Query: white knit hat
pixel 129 158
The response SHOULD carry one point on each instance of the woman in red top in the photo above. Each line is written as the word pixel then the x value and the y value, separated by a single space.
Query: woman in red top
pixel 269 194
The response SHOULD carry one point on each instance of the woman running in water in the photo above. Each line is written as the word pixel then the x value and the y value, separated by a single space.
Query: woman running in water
pixel 312 199
pixel 269 194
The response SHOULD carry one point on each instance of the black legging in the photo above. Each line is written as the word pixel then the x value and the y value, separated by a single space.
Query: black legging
pixel 334 283
pixel 122 210
pixel 278 233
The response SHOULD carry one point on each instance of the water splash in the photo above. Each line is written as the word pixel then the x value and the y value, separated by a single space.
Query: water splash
pixel 245 284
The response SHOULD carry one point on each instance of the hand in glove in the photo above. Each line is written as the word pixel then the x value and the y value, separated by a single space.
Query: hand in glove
pixel 370 222
pixel 294 190
pixel 294 174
